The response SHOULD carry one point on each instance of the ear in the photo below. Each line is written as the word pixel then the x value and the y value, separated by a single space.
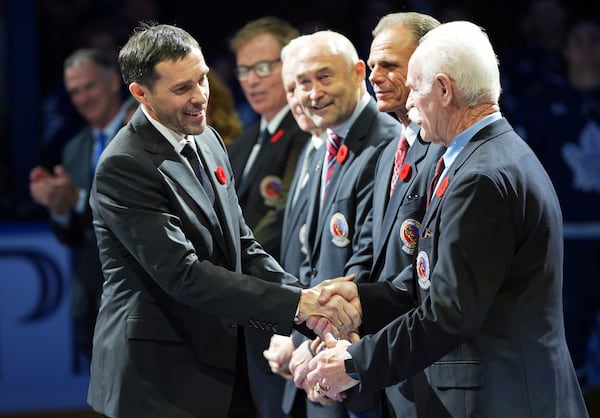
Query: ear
pixel 361 71
pixel 138 92
pixel 445 86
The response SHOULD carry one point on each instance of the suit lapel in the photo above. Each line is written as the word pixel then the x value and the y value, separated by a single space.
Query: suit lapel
pixel 488 132
pixel 221 209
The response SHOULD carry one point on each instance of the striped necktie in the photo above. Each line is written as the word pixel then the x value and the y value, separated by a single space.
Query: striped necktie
pixel 399 157
pixel 333 145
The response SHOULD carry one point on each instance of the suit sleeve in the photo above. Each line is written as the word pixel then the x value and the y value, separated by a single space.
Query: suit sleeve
pixel 132 199
pixel 465 279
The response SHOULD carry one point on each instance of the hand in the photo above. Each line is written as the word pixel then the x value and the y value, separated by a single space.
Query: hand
pixel 299 363
pixel 56 192
pixel 279 354
pixel 327 368
pixel 342 315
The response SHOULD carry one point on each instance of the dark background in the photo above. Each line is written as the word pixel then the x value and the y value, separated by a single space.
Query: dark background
pixel 36 117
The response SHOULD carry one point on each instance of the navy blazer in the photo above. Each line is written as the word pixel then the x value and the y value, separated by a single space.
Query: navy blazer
pixel 393 226
pixel 177 279
pixel 488 329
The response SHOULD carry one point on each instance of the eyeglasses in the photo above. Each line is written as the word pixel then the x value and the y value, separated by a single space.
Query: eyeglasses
pixel 261 69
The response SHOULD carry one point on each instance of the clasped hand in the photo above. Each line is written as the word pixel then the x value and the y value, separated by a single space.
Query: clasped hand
pixel 332 307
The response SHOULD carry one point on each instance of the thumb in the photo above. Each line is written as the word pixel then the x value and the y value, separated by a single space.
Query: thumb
pixel 330 340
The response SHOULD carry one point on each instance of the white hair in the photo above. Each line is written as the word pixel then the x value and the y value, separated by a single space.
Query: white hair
pixel 461 50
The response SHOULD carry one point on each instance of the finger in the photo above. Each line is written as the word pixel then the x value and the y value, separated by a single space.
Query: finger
pixel 330 340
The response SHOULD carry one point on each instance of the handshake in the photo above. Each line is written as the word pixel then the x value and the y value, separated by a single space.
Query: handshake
pixel 333 311
pixel 331 307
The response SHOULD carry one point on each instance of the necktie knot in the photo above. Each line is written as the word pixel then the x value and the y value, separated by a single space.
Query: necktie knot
pixel 265 137
pixel 439 168
pixel 333 145
pixel 192 156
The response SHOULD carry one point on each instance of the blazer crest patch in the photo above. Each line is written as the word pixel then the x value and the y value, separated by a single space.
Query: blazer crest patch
pixel 423 270
pixel 339 228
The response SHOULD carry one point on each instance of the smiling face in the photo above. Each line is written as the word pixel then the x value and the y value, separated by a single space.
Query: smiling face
pixel 94 92
pixel 178 99
pixel 328 86
pixel 304 122
pixel 265 95
pixel 388 60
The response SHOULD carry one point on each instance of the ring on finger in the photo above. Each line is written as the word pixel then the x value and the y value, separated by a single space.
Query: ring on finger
pixel 320 389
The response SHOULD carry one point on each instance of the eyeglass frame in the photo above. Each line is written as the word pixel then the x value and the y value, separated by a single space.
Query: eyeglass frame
pixel 242 72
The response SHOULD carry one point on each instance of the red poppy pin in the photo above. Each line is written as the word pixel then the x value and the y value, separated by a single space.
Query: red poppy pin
pixel 342 154
pixel 221 176
pixel 405 172
pixel 442 187
pixel 277 136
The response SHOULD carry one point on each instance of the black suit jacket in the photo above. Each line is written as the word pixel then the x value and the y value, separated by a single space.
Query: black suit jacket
pixel 276 161
pixel 488 329
pixel 178 277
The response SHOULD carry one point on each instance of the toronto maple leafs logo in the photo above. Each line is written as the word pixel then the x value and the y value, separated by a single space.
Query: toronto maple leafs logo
pixel 584 159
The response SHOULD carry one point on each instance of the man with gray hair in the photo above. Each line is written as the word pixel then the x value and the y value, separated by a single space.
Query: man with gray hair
pixel 487 328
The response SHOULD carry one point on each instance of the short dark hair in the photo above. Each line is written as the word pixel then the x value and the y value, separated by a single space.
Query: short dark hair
pixel 149 45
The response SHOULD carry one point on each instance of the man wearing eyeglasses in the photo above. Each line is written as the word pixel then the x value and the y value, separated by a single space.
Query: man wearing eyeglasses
pixel 264 160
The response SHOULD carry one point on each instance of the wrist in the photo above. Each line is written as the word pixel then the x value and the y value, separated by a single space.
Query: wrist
pixel 349 367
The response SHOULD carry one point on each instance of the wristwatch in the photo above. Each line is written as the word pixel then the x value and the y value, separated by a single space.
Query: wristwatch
pixel 349 367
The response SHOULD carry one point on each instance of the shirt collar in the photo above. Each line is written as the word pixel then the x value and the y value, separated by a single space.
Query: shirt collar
pixel 459 142
pixel 274 123
pixel 343 129
pixel 113 126
pixel 173 137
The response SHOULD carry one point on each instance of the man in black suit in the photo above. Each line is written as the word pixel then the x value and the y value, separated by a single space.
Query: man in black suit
pixel 181 266
pixel 94 85
pixel 264 160
pixel 487 329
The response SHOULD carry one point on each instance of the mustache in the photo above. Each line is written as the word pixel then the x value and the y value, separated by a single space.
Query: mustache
pixel 415 115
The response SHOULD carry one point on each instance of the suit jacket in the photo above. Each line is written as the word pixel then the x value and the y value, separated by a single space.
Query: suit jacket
pixel 293 232
pixel 86 286
pixel 262 196
pixel 488 331
pixel 333 225
pixel 276 161
pixel 393 226
pixel 178 276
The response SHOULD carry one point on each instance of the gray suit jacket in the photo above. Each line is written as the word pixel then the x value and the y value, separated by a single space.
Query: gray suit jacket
pixel 488 329
pixel 79 233
pixel 333 225
pixel 178 277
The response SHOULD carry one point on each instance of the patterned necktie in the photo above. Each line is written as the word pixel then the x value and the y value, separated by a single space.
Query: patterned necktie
pixel 333 145
pixel 100 145
pixel 439 168
pixel 191 155
pixel 399 157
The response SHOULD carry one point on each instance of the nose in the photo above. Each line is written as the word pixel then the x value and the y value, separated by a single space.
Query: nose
pixel 200 94
pixel 373 77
